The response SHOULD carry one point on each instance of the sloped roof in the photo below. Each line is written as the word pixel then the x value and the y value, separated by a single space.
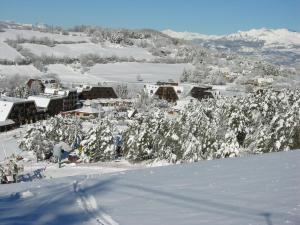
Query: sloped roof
pixel 6 122
pixel 5 108
pixel 6 105
pixel 42 101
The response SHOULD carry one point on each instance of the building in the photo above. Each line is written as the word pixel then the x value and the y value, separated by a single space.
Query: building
pixel 169 91
pixel 86 92
pixel 89 110
pixel 35 86
pixel 51 105
pixel 18 111
pixel 70 99
pixel 201 92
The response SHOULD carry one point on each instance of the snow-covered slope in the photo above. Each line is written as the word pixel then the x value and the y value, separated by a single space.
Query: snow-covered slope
pixel 7 52
pixel 45 51
pixel 23 70
pixel 189 35
pixel 279 46
pixel 271 37
pixel 75 50
pixel 258 190
pixel 28 34
pixel 119 72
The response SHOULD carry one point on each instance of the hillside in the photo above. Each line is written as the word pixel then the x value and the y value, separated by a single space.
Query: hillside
pixel 280 46
pixel 34 51
pixel 260 189
pixel 121 55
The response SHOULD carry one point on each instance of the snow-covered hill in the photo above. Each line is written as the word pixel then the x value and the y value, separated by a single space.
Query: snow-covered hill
pixel 98 54
pixel 189 35
pixel 271 37
pixel 104 54
pixel 281 46
pixel 260 190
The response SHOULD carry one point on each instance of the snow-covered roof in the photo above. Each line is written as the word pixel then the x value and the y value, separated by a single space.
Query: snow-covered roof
pixel 6 105
pixel 58 91
pixel 6 122
pixel 42 101
pixel 89 110
pixel 13 100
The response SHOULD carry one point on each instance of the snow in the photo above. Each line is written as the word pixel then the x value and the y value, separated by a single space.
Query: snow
pixel 88 109
pixel 128 72
pixel 28 34
pixel 271 37
pixel 7 52
pixel 5 108
pixel 189 35
pixel 26 194
pixel 8 143
pixel 22 70
pixel 119 72
pixel 75 50
pixel 68 74
pixel 260 189
pixel 42 101
pixel 6 104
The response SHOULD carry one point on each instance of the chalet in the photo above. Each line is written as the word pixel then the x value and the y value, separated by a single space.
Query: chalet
pixel 19 111
pixel 70 97
pixel 50 104
pixel 95 92
pixel 201 92
pixel 35 86
pixel 169 91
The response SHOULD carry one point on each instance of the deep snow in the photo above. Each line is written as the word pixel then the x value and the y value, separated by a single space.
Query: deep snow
pixel 261 189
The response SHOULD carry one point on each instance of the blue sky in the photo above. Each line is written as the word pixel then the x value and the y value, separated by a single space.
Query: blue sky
pixel 203 16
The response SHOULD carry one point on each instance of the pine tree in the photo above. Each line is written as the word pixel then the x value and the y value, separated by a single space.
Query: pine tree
pixel 99 142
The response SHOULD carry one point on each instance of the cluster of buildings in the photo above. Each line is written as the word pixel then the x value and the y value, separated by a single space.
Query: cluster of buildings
pixel 172 92
pixel 48 99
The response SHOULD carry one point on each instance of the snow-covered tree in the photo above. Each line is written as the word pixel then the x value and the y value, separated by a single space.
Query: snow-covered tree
pixel 99 142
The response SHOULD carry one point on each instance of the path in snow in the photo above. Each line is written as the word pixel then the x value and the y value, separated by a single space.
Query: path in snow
pixel 260 190
pixel 89 204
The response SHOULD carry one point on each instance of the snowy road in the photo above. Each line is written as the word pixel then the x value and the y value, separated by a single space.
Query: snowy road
pixel 252 190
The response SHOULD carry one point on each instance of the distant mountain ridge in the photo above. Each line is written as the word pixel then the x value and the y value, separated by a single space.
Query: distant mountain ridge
pixel 270 36
pixel 280 46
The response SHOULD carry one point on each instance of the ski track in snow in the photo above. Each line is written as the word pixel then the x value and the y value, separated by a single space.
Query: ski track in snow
pixel 89 204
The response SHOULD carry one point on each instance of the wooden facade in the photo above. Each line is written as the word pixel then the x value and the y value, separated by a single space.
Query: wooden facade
pixel 70 101
pixel 97 92
pixel 167 93
pixel 55 106
pixel 24 113
pixel 36 86
pixel 201 92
